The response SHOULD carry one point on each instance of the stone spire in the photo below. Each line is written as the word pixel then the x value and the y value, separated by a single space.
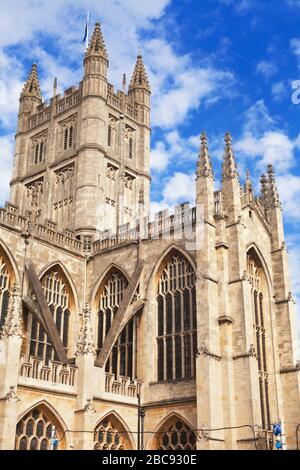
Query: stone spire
pixel 97 44
pixel 204 166
pixel 13 322
pixel 86 342
pixel 229 169
pixel 139 78
pixel 32 85
pixel 274 200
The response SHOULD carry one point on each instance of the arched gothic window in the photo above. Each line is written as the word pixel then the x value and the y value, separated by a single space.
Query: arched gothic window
pixel 58 296
pixel 121 361
pixel 176 320
pixel 5 284
pixel 258 283
pixel 34 430
pixel 176 436
pixel 111 435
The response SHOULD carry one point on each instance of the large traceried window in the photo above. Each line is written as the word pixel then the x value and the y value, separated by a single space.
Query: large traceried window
pixel 59 298
pixel 34 430
pixel 121 361
pixel 5 285
pixel 258 282
pixel 176 435
pixel 111 435
pixel 176 320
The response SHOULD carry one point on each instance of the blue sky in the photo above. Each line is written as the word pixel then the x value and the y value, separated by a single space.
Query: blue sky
pixel 214 65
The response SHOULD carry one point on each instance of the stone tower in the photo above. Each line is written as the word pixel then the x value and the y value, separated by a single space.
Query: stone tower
pixel 82 160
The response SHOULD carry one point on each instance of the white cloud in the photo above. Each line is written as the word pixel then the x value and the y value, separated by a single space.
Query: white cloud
pixel 258 119
pixel 179 188
pixel 174 146
pixel 279 90
pixel 159 157
pixel 289 191
pixel 272 147
pixel 295 46
pixel 267 68
pixel 190 88
pixel 6 158
pixel 240 6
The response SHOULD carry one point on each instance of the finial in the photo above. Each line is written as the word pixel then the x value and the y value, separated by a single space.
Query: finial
pixel 204 166
pixel 124 83
pixel 55 87
pixel 248 185
pixel 228 138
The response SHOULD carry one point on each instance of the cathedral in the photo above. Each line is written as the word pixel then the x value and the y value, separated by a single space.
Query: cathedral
pixel 122 332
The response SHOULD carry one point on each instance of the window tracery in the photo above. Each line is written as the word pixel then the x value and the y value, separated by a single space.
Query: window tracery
pixel 176 320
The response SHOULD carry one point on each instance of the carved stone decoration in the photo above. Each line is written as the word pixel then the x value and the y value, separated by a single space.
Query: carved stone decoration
pixel 128 181
pixel 112 123
pixel 64 174
pixel 128 133
pixel 204 352
pixel 13 322
pixel 89 408
pixel 11 396
pixel 34 192
pixel 111 172
pixel 252 351
pixel 86 342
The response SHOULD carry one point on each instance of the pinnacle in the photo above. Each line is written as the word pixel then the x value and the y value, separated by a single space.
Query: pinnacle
pixel 273 193
pixel 204 166
pixel 229 169
pixel 97 44
pixel 139 77
pixel 32 85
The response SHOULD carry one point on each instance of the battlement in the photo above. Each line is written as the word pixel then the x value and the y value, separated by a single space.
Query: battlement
pixel 72 97
pixel 164 224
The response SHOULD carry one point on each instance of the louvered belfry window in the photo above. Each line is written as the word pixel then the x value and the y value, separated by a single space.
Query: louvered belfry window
pixel 57 295
pixel 176 320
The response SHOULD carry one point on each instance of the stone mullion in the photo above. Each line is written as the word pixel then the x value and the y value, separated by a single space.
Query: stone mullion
pixel 173 339
pixel 118 346
pixel 134 355
pixel 193 372
pixel 164 346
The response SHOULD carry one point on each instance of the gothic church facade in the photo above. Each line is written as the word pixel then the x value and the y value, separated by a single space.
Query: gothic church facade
pixel 190 315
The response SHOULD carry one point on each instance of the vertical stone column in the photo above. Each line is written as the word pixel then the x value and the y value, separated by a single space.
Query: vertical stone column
pixel 289 370
pixel 85 358
pixel 12 339
pixel 208 361
pixel 225 324
pixel 239 290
